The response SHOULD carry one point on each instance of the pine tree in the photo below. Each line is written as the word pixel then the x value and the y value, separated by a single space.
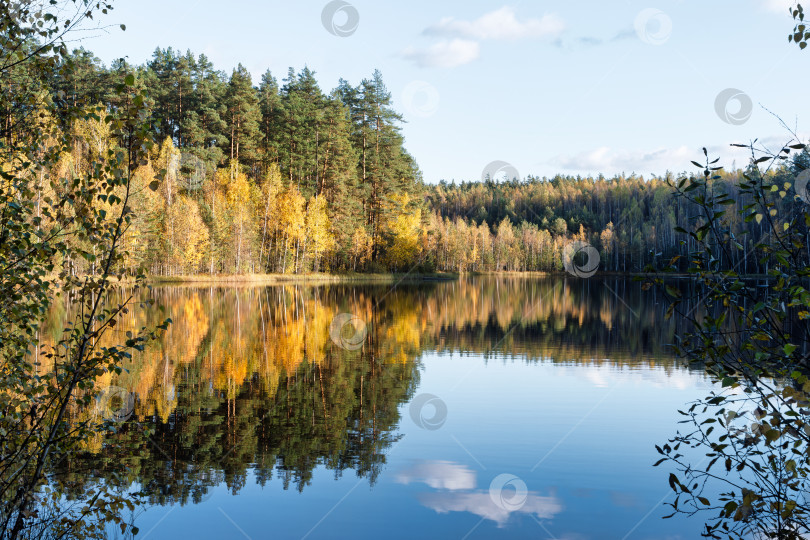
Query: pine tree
pixel 243 117
pixel 271 116
pixel 386 167
pixel 338 181
pixel 205 125
pixel 303 111
pixel 171 86
pixel 84 82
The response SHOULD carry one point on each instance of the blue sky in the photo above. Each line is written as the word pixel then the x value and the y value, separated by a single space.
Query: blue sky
pixel 547 86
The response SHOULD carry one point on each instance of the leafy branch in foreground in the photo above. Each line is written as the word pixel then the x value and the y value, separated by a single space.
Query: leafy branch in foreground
pixel 753 339
pixel 801 33
pixel 751 336
pixel 51 217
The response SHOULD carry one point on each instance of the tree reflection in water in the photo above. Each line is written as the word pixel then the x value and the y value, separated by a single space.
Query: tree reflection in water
pixel 249 380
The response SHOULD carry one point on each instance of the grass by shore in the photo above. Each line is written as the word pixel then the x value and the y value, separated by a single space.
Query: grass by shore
pixel 273 279
pixel 379 278
pixel 324 278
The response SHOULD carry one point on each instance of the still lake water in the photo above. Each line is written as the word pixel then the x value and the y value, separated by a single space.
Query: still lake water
pixel 480 408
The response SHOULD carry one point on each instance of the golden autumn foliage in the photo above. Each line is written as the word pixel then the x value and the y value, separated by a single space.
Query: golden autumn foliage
pixel 404 228
pixel 240 195
pixel 318 230
pixel 207 218
pixel 227 339
pixel 292 222
pixel 192 240
pixel 361 248
pixel 231 219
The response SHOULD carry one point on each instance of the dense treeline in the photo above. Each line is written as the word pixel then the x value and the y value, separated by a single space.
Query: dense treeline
pixel 632 221
pixel 282 177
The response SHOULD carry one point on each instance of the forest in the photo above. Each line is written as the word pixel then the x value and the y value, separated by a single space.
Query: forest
pixel 281 177
pixel 112 174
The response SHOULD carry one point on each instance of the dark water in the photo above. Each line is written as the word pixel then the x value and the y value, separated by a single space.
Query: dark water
pixel 484 408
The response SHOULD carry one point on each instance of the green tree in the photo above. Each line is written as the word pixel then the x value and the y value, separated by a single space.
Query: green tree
pixel 271 111
pixel 171 86
pixel 206 125
pixel 243 116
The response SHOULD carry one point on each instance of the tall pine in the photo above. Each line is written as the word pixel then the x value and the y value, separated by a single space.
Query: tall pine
pixel 243 117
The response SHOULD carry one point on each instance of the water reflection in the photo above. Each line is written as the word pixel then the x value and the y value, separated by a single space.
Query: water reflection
pixel 481 503
pixel 439 475
pixel 456 492
pixel 249 382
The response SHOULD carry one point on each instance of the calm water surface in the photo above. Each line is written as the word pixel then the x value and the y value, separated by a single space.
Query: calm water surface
pixel 483 408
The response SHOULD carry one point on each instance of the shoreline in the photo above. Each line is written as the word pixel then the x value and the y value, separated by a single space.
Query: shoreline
pixel 378 278
pixel 323 278
pixel 282 279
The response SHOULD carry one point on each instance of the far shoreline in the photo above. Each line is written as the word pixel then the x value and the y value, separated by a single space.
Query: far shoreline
pixel 284 279
pixel 383 278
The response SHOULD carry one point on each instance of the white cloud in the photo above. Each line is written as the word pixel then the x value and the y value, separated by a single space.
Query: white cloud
pixel 481 504
pixel 439 475
pixel 609 375
pixel 608 161
pixel 444 54
pixel 777 6
pixel 461 39
pixel 499 24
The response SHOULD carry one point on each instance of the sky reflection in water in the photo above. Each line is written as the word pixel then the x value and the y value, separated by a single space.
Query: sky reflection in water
pixel 544 401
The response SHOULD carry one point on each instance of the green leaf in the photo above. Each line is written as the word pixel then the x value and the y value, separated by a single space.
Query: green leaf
pixel 772 434
pixel 673 291
pixel 673 481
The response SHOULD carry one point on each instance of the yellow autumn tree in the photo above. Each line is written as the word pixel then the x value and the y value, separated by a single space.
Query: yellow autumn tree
pixel 404 229
pixel 168 160
pixel 267 210
pixel 239 198
pixel 214 193
pixel 93 137
pixel 192 235
pixel 292 224
pixel 141 241
pixel 361 247
pixel 319 237
pixel 234 243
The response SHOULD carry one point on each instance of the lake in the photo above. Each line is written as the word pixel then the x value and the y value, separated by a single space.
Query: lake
pixel 489 407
